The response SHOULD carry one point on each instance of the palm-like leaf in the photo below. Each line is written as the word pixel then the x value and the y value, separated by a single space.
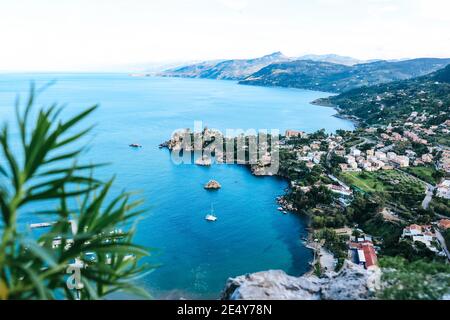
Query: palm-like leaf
pixel 36 268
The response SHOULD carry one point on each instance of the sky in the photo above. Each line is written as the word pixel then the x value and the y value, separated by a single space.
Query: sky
pixel 80 35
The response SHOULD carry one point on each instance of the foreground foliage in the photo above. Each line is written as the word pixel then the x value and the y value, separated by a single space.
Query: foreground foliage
pixel 86 221
pixel 419 280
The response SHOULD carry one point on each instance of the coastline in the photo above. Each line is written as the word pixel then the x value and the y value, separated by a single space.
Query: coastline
pixel 325 102
pixel 288 207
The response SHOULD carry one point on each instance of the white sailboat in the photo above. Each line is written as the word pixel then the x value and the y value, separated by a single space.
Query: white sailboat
pixel 211 217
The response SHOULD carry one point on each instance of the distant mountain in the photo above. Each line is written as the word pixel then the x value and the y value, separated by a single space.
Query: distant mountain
pixel 395 101
pixel 336 78
pixel 236 69
pixel 333 58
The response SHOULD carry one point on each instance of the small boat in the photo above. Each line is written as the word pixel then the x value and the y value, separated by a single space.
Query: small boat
pixel 280 209
pixel 135 145
pixel 211 217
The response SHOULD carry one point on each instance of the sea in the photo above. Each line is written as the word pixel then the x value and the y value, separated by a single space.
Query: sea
pixel 192 258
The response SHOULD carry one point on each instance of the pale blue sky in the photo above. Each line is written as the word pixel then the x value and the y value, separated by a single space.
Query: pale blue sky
pixel 101 34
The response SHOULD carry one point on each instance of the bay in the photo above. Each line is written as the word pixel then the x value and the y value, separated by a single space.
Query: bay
pixel 194 257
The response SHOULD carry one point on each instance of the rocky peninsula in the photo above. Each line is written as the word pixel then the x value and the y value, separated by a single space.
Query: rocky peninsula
pixel 353 282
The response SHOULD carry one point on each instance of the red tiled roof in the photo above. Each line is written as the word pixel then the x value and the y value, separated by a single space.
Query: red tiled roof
pixel 444 223
pixel 370 255
pixel 369 252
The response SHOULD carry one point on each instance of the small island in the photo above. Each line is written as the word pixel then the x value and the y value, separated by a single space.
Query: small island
pixel 212 185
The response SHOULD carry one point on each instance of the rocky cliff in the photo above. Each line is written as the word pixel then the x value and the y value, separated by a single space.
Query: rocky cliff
pixel 353 282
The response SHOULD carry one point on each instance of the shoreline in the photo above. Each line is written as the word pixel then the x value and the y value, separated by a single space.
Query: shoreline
pixel 287 206
pixel 322 102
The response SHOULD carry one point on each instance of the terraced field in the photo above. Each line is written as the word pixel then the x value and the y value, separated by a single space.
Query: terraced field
pixel 390 182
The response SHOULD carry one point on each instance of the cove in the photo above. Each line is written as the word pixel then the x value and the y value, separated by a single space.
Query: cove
pixel 194 257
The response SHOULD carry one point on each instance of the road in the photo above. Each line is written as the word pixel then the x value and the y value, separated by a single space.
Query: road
pixel 428 196
pixel 441 240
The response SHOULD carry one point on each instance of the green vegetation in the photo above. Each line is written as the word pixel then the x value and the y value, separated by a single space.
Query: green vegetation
pixel 388 186
pixel 45 169
pixel 440 206
pixel 366 213
pixel 337 78
pixel 419 280
pixel 446 235
pixel 395 101
pixel 428 174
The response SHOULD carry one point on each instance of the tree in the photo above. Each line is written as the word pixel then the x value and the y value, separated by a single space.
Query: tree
pixel 438 175
pixel 86 232
pixel 419 280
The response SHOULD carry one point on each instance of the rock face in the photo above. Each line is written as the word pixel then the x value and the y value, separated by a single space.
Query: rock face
pixel 213 185
pixel 353 282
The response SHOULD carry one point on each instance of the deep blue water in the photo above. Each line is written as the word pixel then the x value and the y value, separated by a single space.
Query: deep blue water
pixel 195 257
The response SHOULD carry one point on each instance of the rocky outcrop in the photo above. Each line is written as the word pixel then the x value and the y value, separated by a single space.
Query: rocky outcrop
pixel 203 161
pixel 209 144
pixel 213 185
pixel 286 204
pixel 353 282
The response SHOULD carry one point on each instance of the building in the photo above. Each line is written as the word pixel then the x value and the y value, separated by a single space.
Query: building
pixel 444 224
pixel 355 152
pixel 380 155
pixel 400 161
pixel 364 253
pixel 443 189
pixel 346 192
pixel 295 134
pixel 413 230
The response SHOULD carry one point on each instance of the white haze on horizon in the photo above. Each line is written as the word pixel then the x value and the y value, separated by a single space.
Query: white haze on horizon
pixel 81 35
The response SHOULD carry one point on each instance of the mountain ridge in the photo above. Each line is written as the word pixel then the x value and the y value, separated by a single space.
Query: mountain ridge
pixel 336 78
pixel 228 69
pixel 234 69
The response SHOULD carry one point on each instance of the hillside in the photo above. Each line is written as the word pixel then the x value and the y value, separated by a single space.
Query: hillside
pixel 395 101
pixel 225 69
pixel 240 69
pixel 336 78
pixel 332 58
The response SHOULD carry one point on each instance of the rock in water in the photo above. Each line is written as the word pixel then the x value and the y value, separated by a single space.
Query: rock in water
pixel 353 282
pixel 213 185
pixel 203 161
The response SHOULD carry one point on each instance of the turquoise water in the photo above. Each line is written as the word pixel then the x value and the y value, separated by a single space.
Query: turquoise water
pixel 195 257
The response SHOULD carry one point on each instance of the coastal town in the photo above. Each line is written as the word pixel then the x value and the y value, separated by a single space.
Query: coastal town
pixel 369 193
pixel 384 164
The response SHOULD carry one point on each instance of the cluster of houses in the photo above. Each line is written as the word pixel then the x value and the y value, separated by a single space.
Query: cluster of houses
pixel 362 250
pixel 312 153
pixel 415 122
pixel 425 234
pixel 407 135
pixel 372 160
pixel 414 137
pixel 415 131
